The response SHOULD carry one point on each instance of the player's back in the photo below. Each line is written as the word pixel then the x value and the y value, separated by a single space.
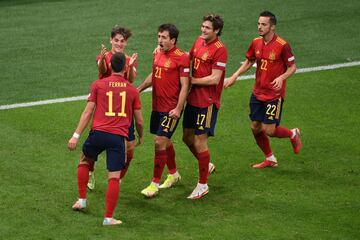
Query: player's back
pixel 115 100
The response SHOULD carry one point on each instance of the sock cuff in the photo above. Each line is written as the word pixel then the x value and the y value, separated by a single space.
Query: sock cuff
pixel 203 154
pixel 161 153
pixel 83 166
pixel 113 179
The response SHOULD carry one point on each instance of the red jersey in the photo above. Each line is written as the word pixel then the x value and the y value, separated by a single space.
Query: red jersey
pixel 206 57
pixel 115 100
pixel 272 60
pixel 108 56
pixel 168 68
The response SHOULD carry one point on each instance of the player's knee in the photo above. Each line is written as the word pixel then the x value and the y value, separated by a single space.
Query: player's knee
pixel 160 143
pixel 255 127
pixel 269 131
pixel 186 140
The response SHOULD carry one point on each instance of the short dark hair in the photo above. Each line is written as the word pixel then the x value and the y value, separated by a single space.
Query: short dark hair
pixel 216 21
pixel 270 15
pixel 118 61
pixel 125 32
pixel 171 28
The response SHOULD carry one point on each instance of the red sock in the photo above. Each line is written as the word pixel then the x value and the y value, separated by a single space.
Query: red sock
pixel 171 164
pixel 129 157
pixel 282 132
pixel 203 161
pixel 263 142
pixel 159 164
pixel 112 195
pixel 91 166
pixel 83 178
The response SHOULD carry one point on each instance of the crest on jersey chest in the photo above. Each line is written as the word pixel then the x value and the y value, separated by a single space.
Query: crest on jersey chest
pixel 272 55
pixel 167 63
pixel 257 53
pixel 205 56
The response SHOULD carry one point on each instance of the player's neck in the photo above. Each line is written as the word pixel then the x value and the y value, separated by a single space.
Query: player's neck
pixel 268 37
pixel 170 49
pixel 207 41
pixel 118 73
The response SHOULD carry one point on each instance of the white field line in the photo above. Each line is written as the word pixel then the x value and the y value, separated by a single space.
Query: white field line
pixel 77 98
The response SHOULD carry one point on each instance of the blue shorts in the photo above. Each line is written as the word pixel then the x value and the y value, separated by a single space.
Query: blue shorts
pixel 266 112
pixel 203 120
pixel 131 134
pixel 114 145
pixel 162 125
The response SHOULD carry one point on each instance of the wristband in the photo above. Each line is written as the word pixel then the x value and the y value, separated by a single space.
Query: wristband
pixel 76 135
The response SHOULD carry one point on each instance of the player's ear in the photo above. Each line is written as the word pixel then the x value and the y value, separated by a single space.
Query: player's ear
pixel 272 27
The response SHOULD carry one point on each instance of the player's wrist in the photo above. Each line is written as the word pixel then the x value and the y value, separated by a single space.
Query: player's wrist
pixel 76 135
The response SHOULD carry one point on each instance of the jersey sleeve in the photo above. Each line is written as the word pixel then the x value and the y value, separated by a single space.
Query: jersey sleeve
pixel 287 55
pixel 220 59
pixel 185 65
pixel 137 103
pixel 97 59
pixel 93 92
pixel 250 54
pixel 191 53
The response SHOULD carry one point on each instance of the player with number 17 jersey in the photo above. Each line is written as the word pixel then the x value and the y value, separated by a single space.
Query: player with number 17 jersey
pixel 206 57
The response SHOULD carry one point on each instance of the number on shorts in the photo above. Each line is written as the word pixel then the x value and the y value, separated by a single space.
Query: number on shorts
pixel 270 109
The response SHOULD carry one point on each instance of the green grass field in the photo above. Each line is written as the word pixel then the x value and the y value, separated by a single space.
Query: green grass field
pixel 313 195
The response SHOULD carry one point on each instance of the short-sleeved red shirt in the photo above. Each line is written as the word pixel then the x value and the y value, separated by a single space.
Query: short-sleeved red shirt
pixel 272 60
pixel 115 100
pixel 168 67
pixel 206 57
pixel 108 65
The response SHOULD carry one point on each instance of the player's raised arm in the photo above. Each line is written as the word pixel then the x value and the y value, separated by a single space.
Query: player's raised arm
pixel 102 68
pixel 132 68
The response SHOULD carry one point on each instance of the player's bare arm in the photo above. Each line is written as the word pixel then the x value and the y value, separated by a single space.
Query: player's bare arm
pixel 139 125
pixel 212 79
pixel 102 68
pixel 242 69
pixel 147 83
pixel 83 122
pixel 278 82
pixel 132 70
pixel 185 85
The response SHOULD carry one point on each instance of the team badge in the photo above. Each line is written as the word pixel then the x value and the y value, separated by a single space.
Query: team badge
pixel 257 52
pixel 167 63
pixel 205 56
pixel 272 55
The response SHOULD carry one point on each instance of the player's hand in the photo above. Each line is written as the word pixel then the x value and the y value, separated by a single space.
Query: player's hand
pixel 133 59
pixel 175 113
pixel 277 83
pixel 139 141
pixel 72 143
pixel 229 82
pixel 103 52
pixel 156 50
